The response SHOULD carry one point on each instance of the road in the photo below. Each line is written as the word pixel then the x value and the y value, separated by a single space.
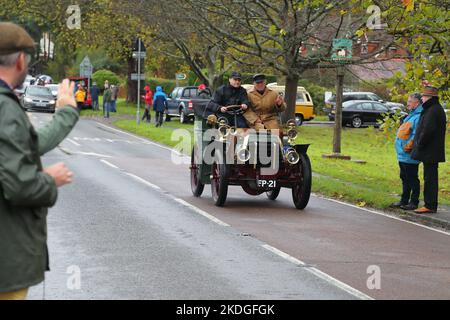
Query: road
pixel 129 228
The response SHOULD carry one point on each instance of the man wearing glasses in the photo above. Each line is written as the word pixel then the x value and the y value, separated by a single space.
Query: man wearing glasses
pixel 27 189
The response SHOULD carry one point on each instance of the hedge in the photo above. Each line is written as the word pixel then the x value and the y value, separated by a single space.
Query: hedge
pixel 101 75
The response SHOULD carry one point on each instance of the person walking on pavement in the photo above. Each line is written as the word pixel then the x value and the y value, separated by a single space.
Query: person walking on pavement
pixel 265 105
pixel 114 94
pixel 106 101
pixel 80 96
pixel 429 146
pixel 159 105
pixel 409 168
pixel 148 99
pixel 27 189
pixel 95 91
pixel 227 95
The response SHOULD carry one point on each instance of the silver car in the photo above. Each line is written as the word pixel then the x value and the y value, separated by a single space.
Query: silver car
pixel 38 98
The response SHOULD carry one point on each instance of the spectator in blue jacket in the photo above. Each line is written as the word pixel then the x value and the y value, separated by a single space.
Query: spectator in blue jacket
pixel 159 105
pixel 409 168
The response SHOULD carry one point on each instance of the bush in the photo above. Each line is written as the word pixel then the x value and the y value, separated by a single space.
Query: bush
pixel 101 75
pixel 317 94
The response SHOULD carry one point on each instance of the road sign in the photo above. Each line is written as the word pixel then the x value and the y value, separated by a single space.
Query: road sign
pixel 135 76
pixel 342 50
pixel 180 76
pixel 137 55
pixel 86 68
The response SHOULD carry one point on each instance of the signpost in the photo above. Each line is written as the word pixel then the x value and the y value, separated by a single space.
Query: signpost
pixel 180 76
pixel 139 53
pixel 86 69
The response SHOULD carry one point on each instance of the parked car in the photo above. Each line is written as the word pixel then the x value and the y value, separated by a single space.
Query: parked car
pixel 181 101
pixel 304 107
pixel 38 98
pixel 358 113
pixel 368 96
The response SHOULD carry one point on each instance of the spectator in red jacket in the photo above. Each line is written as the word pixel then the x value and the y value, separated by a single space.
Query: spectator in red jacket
pixel 148 99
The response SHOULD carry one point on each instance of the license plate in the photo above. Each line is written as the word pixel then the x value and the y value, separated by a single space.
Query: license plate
pixel 267 183
pixel 41 104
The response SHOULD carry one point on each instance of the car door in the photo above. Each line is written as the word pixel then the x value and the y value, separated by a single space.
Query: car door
pixel 172 103
pixel 367 112
pixel 379 110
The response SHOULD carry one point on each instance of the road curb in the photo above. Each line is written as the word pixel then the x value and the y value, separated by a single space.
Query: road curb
pixel 430 220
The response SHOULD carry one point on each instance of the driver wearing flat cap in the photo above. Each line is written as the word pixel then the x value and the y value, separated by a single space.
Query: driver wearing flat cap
pixel 265 105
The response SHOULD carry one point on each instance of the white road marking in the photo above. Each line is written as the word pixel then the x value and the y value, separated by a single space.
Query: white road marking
pixel 322 275
pixel 151 185
pixel 73 142
pixel 143 140
pixel 200 211
pixel 180 201
pixel 109 164
pixel 386 215
pixel 65 150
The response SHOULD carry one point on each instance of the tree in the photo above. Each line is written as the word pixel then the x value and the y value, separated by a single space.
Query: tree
pixel 288 36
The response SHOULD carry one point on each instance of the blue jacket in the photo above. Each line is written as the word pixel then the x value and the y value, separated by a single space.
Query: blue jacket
pixel 405 136
pixel 159 100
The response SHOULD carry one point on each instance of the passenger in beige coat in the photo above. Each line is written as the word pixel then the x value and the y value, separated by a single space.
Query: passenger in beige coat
pixel 266 104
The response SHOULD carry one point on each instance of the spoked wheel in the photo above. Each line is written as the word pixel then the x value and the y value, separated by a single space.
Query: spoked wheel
pixel 196 185
pixel 219 182
pixel 273 194
pixel 302 190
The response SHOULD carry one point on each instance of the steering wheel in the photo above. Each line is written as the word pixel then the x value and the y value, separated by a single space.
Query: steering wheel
pixel 234 110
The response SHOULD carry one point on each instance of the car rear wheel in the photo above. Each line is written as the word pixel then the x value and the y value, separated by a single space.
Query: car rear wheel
pixel 196 185
pixel 301 192
pixel 357 122
pixel 183 117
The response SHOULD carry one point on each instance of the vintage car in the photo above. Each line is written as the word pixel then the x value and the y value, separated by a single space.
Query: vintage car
pixel 262 161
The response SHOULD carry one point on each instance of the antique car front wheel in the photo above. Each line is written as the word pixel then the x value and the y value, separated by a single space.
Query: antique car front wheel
pixel 219 182
pixel 302 190
pixel 196 185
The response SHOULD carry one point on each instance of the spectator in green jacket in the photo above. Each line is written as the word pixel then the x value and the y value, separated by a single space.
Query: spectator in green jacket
pixel 26 188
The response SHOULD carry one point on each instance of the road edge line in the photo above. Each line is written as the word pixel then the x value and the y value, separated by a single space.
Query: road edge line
pixel 320 274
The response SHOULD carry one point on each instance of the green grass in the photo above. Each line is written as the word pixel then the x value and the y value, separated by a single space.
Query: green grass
pixel 375 184
pixel 320 118
pixel 123 108
pixel 165 135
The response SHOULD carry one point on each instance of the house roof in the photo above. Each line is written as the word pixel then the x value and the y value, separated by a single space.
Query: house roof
pixel 379 69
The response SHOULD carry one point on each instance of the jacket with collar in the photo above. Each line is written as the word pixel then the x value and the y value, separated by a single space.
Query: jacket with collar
pixel 26 191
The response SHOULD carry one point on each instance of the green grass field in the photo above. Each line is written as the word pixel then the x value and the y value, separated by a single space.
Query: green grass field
pixel 375 184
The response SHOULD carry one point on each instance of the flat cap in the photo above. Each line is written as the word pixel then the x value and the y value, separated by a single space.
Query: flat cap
pixel 430 91
pixel 14 39
pixel 235 75
pixel 259 77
